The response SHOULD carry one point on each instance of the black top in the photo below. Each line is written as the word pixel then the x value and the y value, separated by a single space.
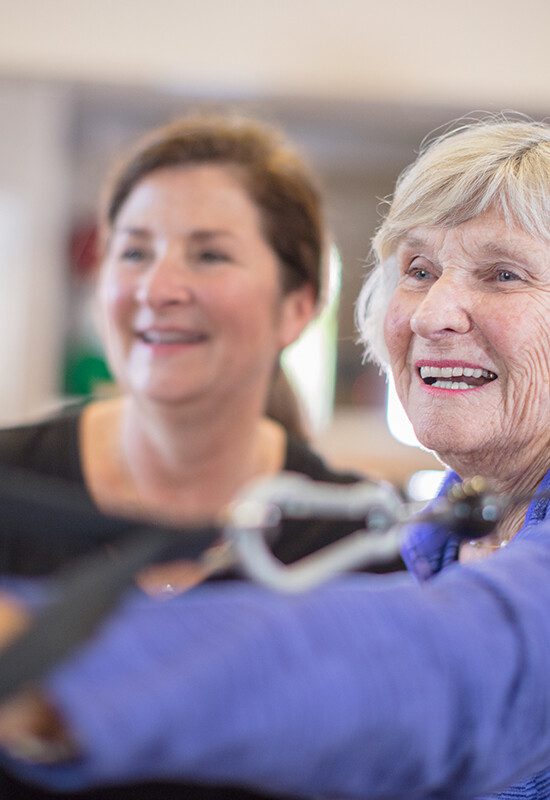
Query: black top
pixel 50 448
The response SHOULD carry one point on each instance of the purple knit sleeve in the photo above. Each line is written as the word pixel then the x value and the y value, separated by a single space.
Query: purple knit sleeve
pixel 363 689
pixel 429 548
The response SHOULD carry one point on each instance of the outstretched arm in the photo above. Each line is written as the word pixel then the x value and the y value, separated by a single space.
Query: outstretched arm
pixel 359 689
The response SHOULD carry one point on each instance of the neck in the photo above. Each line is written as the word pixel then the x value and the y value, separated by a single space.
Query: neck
pixel 196 462
pixel 517 475
pixel 519 472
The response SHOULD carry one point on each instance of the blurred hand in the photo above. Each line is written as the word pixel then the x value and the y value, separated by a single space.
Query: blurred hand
pixel 30 728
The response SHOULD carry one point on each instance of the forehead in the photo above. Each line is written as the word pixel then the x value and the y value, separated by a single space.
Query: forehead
pixel 487 236
pixel 191 193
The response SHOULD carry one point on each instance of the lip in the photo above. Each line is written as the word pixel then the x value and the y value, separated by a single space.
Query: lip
pixel 437 390
pixel 447 362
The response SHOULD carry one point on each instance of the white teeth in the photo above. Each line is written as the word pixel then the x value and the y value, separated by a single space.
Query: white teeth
pixel 452 385
pixel 170 337
pixel 455 372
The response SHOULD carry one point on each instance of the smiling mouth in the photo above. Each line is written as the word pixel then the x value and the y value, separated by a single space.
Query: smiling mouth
pixel 171 337
pixel 457 378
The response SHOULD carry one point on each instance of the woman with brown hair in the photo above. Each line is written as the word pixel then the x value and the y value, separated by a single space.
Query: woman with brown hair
pixel 211 263
pixel 212 258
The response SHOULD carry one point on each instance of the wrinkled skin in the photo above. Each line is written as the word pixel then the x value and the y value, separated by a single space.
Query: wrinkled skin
pixel 477 294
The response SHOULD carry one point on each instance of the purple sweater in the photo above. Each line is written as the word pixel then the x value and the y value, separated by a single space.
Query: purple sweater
pixel 366 688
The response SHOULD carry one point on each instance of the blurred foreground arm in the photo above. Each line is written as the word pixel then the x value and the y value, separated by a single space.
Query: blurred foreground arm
pixel 354 690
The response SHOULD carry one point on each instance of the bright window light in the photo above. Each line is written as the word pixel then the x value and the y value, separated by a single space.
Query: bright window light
pixel 310 363
pixel 398 422
pixel 424 484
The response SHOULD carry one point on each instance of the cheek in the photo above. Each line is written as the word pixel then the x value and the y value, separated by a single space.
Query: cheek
pixel 244 305
pixel 520 337
pixel 397 329
pixel 114 297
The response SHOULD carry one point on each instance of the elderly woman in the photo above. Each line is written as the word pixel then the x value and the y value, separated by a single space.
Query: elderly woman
pixel 389 688
pixel 459 307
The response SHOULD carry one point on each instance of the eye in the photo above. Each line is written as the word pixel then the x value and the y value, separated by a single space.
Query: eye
pixel 507 276
pixel 212 256
pixel 419 273
pixel 133 254
pixel 419 270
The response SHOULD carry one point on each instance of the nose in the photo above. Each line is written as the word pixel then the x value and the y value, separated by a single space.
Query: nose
pixel 167 281
pixel 443 310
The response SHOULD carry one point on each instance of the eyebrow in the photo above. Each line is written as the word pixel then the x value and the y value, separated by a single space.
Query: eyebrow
pixel 412 241
pixel 201 235
pixel 493 250
pixel 130 231
pixel 198 235
pixel 488 250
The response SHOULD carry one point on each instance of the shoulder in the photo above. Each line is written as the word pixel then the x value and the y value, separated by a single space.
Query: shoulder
pixel 539 508
pixel 49 446
pixel 301 458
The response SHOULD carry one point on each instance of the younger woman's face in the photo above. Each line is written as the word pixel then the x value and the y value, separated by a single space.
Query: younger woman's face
pixel 190 290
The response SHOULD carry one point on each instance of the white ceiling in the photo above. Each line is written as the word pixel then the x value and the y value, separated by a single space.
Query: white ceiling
pixel 473 53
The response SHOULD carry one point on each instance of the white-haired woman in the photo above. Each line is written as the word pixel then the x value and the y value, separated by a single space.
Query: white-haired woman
pixel 387 689
pixel 458 308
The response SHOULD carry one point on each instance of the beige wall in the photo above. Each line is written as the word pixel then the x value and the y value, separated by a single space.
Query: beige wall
pixel 32 227
pixel 477 53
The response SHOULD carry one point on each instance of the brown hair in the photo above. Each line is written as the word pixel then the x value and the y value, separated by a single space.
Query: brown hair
pixel 274 176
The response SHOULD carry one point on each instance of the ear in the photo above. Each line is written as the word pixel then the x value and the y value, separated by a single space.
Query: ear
pixel 298 308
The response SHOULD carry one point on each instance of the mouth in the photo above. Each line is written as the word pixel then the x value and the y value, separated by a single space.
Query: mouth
pixel 457 377
pixel 170 337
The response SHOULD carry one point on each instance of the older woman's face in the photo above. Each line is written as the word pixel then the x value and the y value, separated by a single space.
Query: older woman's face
pixel 468 333
pixel 190 291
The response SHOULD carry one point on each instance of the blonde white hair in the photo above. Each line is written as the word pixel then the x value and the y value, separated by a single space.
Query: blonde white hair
pixel 490 163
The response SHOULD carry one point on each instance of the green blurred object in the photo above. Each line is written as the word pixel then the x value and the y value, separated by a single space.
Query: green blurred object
pixel 86 372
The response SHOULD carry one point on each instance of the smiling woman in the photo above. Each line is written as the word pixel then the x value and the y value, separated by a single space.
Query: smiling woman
pixel 461 295
pixel 212 262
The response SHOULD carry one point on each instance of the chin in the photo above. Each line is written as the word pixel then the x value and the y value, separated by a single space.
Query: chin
pixel 447 445
pixel 159 392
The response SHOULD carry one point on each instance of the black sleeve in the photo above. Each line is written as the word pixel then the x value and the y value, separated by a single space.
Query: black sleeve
pixel 49 447
pixel 300 538
pixel 48 450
